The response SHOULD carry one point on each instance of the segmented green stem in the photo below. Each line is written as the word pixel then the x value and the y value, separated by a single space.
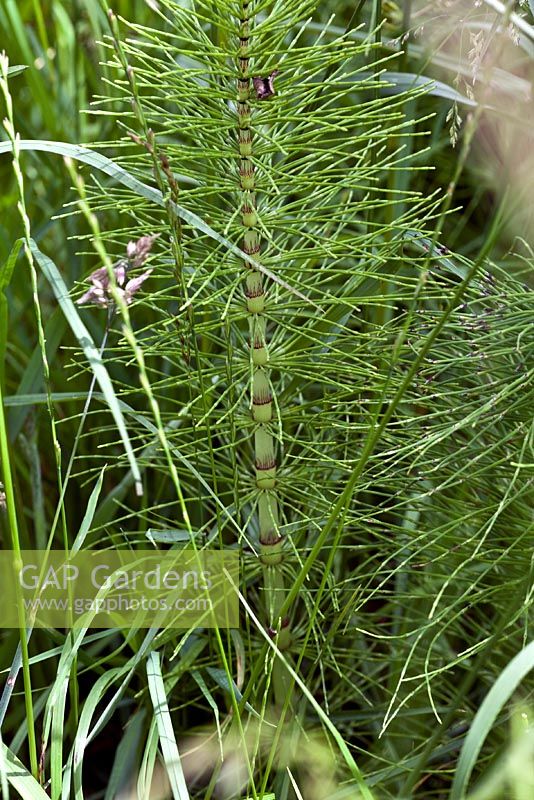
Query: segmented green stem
pixel 265 466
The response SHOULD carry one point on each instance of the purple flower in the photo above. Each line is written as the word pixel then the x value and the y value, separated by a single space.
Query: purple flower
pixel 138 251
pixel 100 291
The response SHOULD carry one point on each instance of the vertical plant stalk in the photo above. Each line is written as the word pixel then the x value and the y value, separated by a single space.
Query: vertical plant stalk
pixel 265 466
pixel 9 127
pixel 17 560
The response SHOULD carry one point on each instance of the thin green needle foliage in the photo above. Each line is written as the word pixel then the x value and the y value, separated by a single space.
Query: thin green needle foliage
pixel 309 377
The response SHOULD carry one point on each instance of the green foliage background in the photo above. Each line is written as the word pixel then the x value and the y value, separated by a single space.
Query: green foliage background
pixel 400 341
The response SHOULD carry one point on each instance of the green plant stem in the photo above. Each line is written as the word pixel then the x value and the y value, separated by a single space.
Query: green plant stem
pixel 265 466
pixel 14 140
pixel 406 23
pixel 41 27
pixel 17 559
pixel 10 499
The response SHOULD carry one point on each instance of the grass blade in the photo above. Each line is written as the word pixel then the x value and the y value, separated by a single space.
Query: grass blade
pixel 3 774
pixel 169 748
pixel 19 777
pixel 227 685
pixel 401 82
pixel 125 762
pixel 91 351
pixel 89 514
pixel 493 703
pixel 16 70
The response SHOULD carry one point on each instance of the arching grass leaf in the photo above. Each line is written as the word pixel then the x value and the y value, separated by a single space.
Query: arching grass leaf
pixel 91 351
